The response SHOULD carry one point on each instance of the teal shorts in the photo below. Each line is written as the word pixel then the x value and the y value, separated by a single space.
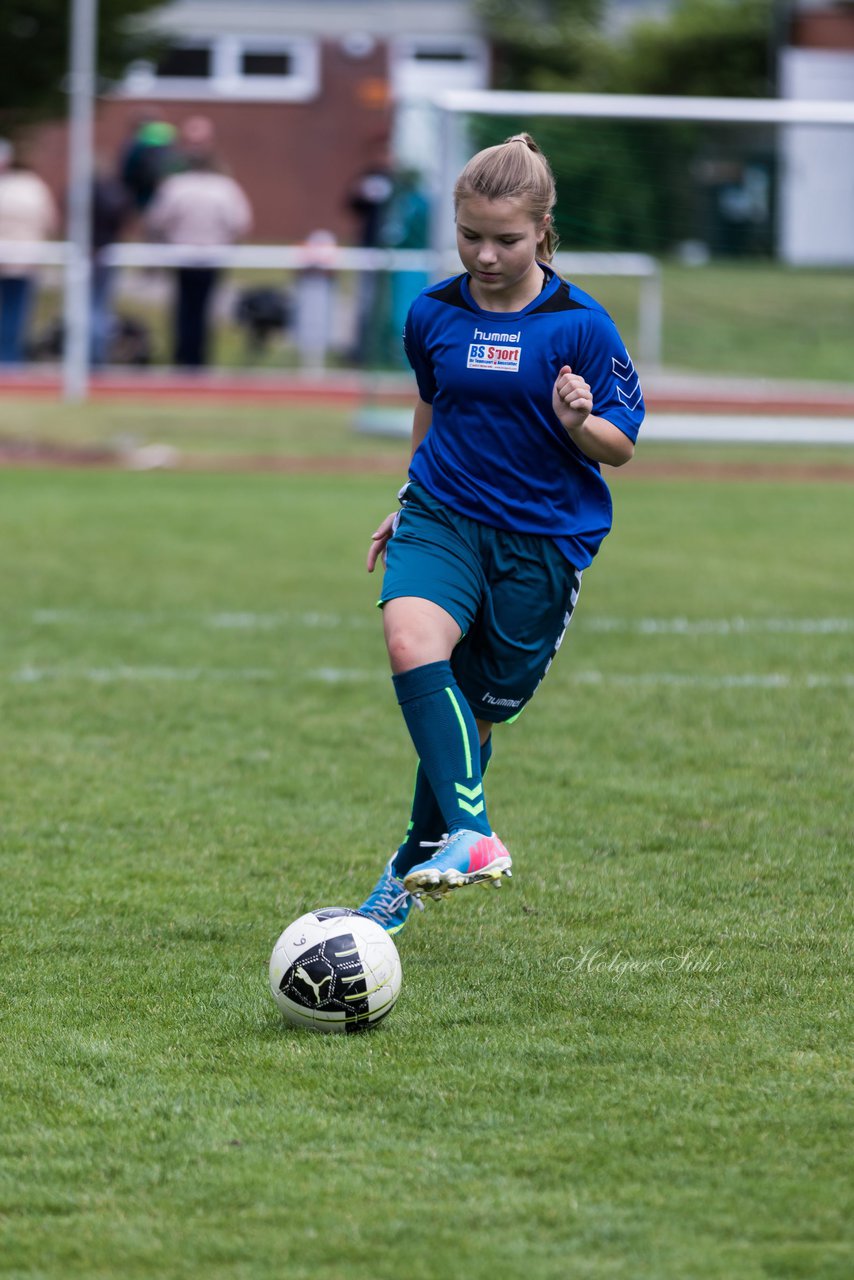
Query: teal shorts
pixel 511 594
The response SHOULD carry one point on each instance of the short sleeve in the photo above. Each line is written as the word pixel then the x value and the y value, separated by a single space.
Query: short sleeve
pixel 417 356
pixel 613 379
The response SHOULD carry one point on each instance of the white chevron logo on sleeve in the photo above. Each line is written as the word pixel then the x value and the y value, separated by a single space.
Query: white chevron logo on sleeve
pixel 630 401
pixel 624 371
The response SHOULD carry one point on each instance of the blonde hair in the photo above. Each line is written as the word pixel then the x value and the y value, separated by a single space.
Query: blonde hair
pixel 511 171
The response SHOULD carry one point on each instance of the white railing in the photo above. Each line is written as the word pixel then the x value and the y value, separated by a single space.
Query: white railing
pixel 628 106
pixel 331 259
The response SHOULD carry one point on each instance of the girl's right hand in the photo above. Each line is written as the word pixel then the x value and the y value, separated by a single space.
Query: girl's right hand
pixel 379 540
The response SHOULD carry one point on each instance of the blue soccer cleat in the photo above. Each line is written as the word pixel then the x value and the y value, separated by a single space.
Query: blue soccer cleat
pixel 390 902
pixel 465 857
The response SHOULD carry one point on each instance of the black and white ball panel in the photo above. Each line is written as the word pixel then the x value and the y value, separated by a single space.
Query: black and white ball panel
pixel 335 970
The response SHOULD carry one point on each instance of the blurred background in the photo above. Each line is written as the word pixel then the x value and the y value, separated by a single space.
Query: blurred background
pixel 291 159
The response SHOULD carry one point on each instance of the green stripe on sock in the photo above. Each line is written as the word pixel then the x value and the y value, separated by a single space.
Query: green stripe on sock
pixel 463 730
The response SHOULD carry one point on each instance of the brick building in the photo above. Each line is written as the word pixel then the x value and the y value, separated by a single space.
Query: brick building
pixel 304 95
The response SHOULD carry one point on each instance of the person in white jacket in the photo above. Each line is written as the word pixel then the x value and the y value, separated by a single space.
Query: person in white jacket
pixel 203 208
pixel 28 214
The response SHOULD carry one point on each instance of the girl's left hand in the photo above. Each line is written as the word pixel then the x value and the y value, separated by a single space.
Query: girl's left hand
pixel 572 399
pixel 379 540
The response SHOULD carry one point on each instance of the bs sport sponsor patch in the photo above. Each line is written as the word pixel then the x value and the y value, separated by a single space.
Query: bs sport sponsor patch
pixel 494 351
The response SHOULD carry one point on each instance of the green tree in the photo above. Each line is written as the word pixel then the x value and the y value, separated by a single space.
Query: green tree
pixel 625 184
pixel 714 47
pixel 536 39
pixel 34 52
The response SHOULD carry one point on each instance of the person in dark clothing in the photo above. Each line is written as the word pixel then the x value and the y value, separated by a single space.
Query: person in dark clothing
pixel 149 157
pixel 111 207
pixel 369 199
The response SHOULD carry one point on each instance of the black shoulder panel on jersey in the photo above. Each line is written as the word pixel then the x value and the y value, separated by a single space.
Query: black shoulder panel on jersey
pixel 560 300
pixel 452 294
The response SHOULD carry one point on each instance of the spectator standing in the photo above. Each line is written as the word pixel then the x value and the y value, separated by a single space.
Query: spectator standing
pixel 111 206
pixel 368 200
pixel 149 157
pixel 196 141
pixel 204 208
pixel 27 213
pixel 407 226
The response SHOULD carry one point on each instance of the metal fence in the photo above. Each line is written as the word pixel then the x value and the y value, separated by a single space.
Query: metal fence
pixel 308 261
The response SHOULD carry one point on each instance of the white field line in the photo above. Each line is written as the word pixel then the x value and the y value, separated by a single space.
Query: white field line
pixel 689 680
pixel 273 621
pixel 123 674
pixel 648 679
pixel 721 626
pixel 226 621
pixel 247 621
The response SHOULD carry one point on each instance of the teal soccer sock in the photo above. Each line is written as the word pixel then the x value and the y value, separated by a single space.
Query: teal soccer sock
pixel 444 733
pixel 426 822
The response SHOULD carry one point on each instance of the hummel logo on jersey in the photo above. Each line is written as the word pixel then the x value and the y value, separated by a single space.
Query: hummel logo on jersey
pixel 494 351
pixel 629 393
pixel 480 335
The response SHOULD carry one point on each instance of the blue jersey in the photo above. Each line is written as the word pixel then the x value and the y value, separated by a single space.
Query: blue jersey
pixel 495 450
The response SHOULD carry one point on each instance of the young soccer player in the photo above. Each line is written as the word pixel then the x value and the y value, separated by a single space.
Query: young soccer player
pixel 524 387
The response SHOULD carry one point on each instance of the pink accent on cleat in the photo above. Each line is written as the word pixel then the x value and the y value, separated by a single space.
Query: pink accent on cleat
pixel 464 858
pixel 485 852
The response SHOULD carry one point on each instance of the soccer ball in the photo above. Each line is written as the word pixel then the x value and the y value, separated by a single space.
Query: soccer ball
pixel 335 970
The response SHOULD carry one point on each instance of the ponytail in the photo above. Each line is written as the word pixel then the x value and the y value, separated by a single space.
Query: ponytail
pixel 516 169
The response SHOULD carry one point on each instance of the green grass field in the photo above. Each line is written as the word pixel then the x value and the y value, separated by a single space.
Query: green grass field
pixel 228 429
pixel 631 1064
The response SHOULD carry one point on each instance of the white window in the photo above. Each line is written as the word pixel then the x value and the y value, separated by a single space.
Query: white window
pixel 423 65
pixel 272 68
pixel 420 67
